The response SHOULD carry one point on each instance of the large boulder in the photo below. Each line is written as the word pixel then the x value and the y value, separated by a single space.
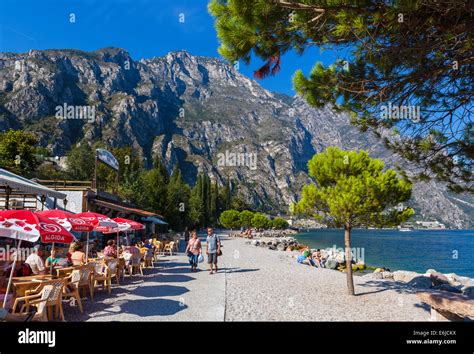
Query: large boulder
pixel 465 281
pixel 420 282
pixel 273 248
pixel 281 247
pixel 340 257
pixel 468 291
pixel 447 287
pixel 386 275
pixel 405 276
pixel 331 263
pixel 439 279
pixel 375 275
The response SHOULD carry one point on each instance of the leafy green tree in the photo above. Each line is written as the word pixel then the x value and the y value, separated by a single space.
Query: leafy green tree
pixel 178 194
pixel 260 221
pixel 279 223
pixel 80 162
pixel 246 217
pixel 154 189
pixel 238 203
pixel 196 204
pixel 415 54
pixel 226 195
pixel 214 203
pixel 353 190
pixel 230 219
pixel 47 171
pixel 205 197
pixel 18 152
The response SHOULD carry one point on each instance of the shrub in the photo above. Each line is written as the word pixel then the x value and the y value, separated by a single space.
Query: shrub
pixel 279 223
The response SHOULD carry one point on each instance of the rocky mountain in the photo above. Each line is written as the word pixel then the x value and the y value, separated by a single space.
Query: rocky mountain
pixel 197 111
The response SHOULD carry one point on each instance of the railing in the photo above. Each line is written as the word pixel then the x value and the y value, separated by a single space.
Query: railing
pixel 65 184
pixel 19 201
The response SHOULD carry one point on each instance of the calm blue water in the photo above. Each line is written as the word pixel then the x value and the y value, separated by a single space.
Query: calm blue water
pixel 417 250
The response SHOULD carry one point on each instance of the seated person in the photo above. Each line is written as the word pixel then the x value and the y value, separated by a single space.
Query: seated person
pixel 305 258
pixel 318 259
pixel 78 258
pixel 35 261
pixel 147 245
pixel 110 250
pixel 132 254
pixel 53 260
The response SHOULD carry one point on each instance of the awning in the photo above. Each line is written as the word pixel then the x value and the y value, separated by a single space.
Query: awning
pixel 154 220
pixel 125 209
pixel 26 186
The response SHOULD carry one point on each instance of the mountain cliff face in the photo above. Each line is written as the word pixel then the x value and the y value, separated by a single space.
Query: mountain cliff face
pixel 196 111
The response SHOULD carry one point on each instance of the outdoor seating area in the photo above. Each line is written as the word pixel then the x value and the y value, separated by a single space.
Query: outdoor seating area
pixel 55 267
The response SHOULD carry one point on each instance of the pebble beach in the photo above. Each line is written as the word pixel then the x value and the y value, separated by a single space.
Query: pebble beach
pixel 253 284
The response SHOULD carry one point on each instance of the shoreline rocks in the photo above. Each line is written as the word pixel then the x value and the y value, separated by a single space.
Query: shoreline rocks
pixel 277 243
pixel 431 280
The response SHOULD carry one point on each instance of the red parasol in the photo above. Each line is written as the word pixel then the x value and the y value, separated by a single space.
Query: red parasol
pixel 26 225
pixel 128 224
pixel 101 223
pixel 67 220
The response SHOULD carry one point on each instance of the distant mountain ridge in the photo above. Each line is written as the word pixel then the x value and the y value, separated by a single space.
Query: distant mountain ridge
pixel 190 110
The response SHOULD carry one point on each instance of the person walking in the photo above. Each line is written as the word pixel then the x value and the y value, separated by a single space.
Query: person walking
pixel 213 249
pixel 193 250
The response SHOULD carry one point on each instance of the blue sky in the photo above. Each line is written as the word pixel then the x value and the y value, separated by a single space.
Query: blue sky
pixel 145 28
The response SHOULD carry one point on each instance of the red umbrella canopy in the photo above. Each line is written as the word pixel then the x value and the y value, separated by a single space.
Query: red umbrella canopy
pixel 67 220
pixel 28 226
pixel 133 225
pixel 100 222
pixel 51 231
pixel 20 225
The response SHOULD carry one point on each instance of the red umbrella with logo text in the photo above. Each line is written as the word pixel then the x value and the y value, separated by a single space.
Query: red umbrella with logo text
pixel 101 223
pixel 24 225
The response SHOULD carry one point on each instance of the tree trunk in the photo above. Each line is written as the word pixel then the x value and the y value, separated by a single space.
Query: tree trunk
pixel 347 244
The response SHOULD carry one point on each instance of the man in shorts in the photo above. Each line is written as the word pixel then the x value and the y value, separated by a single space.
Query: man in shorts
pixel 213 249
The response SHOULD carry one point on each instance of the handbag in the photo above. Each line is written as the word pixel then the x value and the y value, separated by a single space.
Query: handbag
pixel 219 252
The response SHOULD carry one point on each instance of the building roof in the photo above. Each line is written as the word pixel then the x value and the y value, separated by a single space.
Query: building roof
pixel 26 186
pixel 125 209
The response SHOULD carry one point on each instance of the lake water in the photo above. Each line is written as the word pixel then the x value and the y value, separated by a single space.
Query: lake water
pixel 447 251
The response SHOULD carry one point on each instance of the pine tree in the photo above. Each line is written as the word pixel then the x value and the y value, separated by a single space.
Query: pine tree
pixel 405 53
pixel 353 190
pixel 214 197
pixel 178 194
pixel 226 195
pixel 196 204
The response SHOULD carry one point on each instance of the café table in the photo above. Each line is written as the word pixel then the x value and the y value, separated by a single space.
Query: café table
pixel 23 284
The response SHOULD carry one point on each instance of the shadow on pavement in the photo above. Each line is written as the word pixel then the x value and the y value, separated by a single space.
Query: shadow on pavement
pixel 160 290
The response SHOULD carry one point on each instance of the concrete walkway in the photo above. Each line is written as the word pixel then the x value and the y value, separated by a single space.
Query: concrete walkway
pixel 168 292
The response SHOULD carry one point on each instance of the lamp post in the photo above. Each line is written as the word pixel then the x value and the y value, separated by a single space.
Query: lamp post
pixel 43 199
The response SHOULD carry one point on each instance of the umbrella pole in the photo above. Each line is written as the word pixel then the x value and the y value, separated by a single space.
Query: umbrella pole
pixel 87 247
pixel 118 240
pixel 51 263
pixel 11 275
